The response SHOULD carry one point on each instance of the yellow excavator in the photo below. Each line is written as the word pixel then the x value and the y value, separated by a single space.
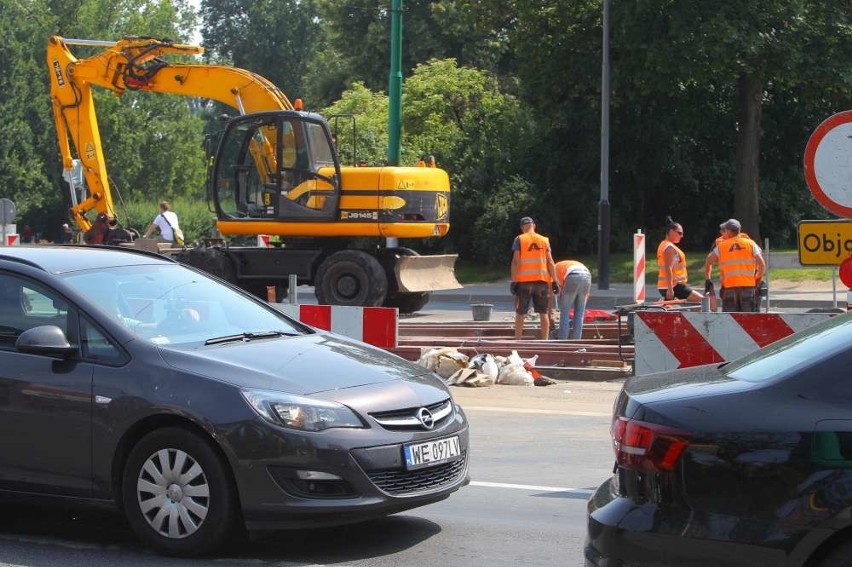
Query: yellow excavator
pixel 275 171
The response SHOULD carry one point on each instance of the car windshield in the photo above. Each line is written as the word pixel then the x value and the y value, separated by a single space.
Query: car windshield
pixel 169 304
pixel 794 352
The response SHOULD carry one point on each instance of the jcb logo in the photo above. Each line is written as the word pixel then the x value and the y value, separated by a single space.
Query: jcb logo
pixel 442 207
pixel 57 69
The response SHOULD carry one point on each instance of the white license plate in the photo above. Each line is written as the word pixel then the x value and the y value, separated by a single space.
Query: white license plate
pixel 420 455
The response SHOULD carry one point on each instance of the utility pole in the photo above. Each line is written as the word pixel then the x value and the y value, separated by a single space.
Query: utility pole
pixel 395 93
pixel 603 209
pixel 395 84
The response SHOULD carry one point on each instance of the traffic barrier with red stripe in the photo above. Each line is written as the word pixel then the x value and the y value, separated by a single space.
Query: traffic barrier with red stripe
pixel 665 340
pixel 638 267
pixel 378 326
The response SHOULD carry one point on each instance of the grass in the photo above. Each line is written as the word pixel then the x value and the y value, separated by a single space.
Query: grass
pixel 621 270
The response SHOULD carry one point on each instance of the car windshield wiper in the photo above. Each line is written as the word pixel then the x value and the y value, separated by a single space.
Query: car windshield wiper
pixel 249 336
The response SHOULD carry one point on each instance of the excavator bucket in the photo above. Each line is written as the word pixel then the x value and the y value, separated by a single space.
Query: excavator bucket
pixel 426 273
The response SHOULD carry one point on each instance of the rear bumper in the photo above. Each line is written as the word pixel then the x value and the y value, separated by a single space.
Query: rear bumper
pixel 623 533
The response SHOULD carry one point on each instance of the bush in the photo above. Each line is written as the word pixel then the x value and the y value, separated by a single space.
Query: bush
pixel 196 220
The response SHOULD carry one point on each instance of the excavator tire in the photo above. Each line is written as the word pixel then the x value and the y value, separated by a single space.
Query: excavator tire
pixel 351 277
pixel 258 288
pixel 408 302
pixel 210 259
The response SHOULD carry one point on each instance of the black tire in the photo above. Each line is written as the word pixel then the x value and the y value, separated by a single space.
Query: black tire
pixel 408 302
pixel 351 277
pixel 209 259
pixel 258 289
pixel 205 500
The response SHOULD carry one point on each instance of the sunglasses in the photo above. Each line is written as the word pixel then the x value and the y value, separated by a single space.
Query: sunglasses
pixel 680 232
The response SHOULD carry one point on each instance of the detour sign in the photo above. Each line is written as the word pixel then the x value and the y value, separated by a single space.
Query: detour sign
pixel 824 243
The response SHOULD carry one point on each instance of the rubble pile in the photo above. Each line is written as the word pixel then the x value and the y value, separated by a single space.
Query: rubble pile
pixel 457 369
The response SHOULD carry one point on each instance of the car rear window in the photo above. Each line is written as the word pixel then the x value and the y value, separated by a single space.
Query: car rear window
pixel 791 354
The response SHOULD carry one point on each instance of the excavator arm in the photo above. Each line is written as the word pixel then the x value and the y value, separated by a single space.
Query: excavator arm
pixel 134 63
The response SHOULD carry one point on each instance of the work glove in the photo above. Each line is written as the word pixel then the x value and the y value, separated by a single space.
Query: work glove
pixel 555 287
pixel 513 288
pixel 761 289
pixel 708 286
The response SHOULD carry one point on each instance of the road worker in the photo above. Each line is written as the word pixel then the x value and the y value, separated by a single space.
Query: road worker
pixel 672 275
pixel 533 277
pixel 741 268
pixel 575 286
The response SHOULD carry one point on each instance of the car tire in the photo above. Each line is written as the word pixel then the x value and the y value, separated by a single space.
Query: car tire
pixel 351 277
pixel 840 556
pixel 184 514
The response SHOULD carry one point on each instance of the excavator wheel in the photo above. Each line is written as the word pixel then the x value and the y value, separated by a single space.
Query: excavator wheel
pixel 351 277
pixel 209 259
pixel 259 288
pixel 406 302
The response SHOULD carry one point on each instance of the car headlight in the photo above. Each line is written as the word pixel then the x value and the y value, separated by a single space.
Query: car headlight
pixel 300 413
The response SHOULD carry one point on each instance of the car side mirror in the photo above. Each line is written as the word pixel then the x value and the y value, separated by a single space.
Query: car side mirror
pixel 48 340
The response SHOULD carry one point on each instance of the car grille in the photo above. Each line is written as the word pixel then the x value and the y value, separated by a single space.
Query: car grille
pixel 407 420
pixel 401 482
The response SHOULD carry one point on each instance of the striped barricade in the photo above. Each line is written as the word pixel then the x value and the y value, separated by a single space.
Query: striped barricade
pixel 669 340
pixel 378 326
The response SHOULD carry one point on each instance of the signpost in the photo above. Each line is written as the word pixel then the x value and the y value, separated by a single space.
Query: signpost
pixel 828 164
pixel 824 243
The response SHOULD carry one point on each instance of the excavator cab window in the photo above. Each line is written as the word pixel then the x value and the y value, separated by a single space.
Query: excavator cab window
pixel 276 166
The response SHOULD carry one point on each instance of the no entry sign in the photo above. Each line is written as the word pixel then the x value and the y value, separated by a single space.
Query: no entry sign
pixel 828 164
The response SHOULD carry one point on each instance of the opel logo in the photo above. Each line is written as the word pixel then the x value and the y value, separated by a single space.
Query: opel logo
pixel 425 417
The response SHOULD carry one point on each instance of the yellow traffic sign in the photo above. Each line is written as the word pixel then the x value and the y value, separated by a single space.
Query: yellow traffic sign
pixel 824 243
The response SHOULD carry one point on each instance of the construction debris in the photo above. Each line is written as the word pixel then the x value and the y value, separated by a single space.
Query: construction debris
pixel 457 369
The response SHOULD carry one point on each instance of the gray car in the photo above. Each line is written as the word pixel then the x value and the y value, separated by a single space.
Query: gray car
pixel 197 409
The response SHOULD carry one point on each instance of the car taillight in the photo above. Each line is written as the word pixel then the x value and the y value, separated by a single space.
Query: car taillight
pixel 647 446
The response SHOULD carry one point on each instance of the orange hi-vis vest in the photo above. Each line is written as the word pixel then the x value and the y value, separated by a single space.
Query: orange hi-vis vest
pixel 720 239
pixel 563 267
pixel 737 264
pixel 679 272
pixel 532 265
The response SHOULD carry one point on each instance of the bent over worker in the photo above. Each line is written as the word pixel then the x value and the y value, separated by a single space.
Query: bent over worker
pixel 741 268
pixel 575 286
pixel 533 277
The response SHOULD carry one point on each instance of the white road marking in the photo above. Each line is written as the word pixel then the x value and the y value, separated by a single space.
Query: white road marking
pixel 588 491
pixel 538 411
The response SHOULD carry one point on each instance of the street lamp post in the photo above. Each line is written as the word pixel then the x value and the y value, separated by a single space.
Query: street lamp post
pixel 603 208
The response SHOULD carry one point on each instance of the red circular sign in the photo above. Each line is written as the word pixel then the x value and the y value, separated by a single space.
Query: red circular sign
pixel 846 272
pixel 828 157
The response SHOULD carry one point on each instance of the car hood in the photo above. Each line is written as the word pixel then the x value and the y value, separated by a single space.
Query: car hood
pixel 301 365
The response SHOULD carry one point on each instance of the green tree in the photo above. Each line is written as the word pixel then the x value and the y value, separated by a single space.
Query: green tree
pixel 747 52
pixel 24 130
pixel 277 39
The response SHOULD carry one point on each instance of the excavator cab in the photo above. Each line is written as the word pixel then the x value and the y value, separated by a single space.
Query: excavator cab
pixel 276 166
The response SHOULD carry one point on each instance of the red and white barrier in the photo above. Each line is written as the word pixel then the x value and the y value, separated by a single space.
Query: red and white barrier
pixel 639 267
pixel 378 326
pixel 13 240
pixel 665 340
pixel 263 241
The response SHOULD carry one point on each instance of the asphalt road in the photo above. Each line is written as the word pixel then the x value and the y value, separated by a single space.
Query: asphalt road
pixel 537 453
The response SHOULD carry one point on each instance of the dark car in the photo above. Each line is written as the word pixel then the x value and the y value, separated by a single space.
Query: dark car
pixel 743 463
pixel 126 377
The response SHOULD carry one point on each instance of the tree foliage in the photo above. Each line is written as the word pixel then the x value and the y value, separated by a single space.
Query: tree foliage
pixel 711 105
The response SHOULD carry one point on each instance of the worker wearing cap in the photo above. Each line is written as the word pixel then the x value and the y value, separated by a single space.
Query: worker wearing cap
pixel 741 267
pixel 533 277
